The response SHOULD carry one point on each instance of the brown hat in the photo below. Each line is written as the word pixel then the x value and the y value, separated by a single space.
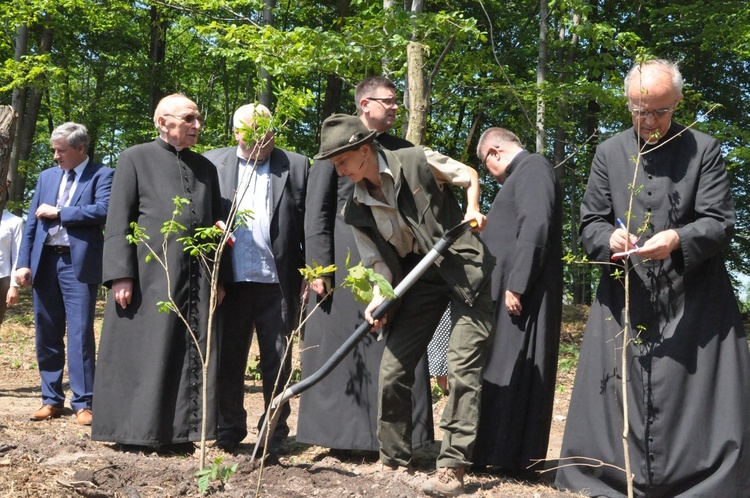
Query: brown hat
pixel 341 133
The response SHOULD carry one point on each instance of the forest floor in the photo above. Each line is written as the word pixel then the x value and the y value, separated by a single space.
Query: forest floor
pixel 56 458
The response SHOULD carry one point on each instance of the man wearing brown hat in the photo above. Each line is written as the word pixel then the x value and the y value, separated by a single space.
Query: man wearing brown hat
pixel 401 205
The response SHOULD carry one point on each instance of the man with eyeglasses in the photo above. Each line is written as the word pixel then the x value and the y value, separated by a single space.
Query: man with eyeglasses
pixel 264 293
pixel 349 395
pixel 524 233
pixel 149 383
pixel 377 107
pixel 659 195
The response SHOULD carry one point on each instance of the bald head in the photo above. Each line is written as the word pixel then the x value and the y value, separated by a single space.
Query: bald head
pixel 170 104
pixel 178 121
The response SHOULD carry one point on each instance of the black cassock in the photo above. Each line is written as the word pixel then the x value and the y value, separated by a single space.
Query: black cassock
pixel 688 369
pixel 524 233
pixel 341 411
pixel 148 386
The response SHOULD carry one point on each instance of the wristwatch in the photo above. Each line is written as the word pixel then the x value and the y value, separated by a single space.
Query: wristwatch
pixel 58 212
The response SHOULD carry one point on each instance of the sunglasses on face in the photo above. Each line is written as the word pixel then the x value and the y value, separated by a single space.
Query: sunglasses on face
pixel 188 118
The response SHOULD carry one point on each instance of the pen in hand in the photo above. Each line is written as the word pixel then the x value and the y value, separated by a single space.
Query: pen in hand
pixel 622 225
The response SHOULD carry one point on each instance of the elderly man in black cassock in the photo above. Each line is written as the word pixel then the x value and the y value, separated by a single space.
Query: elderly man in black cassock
pixel 149 383
pixel 687 359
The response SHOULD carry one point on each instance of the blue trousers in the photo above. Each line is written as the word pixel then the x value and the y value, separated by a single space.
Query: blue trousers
pixel 59 298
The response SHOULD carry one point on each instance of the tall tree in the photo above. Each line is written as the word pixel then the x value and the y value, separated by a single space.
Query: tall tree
pixel 8 118
pixel 157 51
pixel 541 75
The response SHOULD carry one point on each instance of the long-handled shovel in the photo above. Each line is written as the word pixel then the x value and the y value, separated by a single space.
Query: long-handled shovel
pixel 438 249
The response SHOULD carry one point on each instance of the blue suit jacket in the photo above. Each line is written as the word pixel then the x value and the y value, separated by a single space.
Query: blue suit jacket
pixel 83 218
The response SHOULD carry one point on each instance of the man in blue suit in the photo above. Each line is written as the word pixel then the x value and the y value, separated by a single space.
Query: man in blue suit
pixel 61 257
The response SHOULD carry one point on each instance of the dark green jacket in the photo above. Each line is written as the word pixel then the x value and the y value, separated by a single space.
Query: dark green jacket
pixel 429 210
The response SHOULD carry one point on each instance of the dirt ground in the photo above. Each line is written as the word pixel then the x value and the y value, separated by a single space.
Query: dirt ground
pixel 57 458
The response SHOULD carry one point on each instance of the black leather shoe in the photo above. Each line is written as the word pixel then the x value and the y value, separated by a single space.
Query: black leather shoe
pixel 277 446
pixel 226 444
pixel 176 449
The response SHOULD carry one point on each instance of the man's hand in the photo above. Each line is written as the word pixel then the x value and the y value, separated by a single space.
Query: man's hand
pixel 123 291
pixel 46 211
pixel 12 297
pixel 23 276
pixel 320 286
pixel 221 293
pixel 661 245
pixel 513 303
pixel 618 241
pixel 377 300
pixel 478 217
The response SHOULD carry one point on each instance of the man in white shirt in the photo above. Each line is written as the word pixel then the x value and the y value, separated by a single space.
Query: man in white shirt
pixel 61 258
pixel 269 183
pixel 11 232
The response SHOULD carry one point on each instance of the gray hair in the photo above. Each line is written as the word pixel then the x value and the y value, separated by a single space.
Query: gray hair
pixel 74 134
pixel 672 67
pixel 497 136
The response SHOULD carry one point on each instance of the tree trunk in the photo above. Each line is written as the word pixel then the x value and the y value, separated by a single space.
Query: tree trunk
pixel 28 129
pixel 7 134
pixel 332 99
pixel 418 94
pixel 18 102
pixel 560 154
pixel 266 82
pixel 541 74
pixel 385 62
pixel 157 51
pixel 334 84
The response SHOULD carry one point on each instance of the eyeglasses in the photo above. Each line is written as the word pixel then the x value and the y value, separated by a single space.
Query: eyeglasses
pixel 385 101
pixel 483 162
pixel 188 118
pixel 662 113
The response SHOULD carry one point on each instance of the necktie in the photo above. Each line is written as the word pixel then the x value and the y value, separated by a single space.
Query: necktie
pixel 63 200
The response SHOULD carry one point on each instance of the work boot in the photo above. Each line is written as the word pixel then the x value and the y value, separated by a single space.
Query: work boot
pixel 398 469
pixel 447 481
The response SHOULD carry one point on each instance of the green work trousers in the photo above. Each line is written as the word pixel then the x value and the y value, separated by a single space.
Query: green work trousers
pixel 411 329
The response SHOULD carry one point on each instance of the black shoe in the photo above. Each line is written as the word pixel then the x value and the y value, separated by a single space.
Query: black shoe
pixel 280 447
pixel 277 446
pixel 226 444
pixel 176 449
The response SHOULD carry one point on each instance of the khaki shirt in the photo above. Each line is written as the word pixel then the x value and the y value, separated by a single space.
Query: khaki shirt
pixel 390 224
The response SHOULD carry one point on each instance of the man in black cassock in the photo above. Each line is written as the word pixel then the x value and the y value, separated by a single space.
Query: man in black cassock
pixel 149 382
pixel 524 233
pixel 687 358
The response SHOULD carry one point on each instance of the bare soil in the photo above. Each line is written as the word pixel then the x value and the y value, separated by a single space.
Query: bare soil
pixel 56 458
